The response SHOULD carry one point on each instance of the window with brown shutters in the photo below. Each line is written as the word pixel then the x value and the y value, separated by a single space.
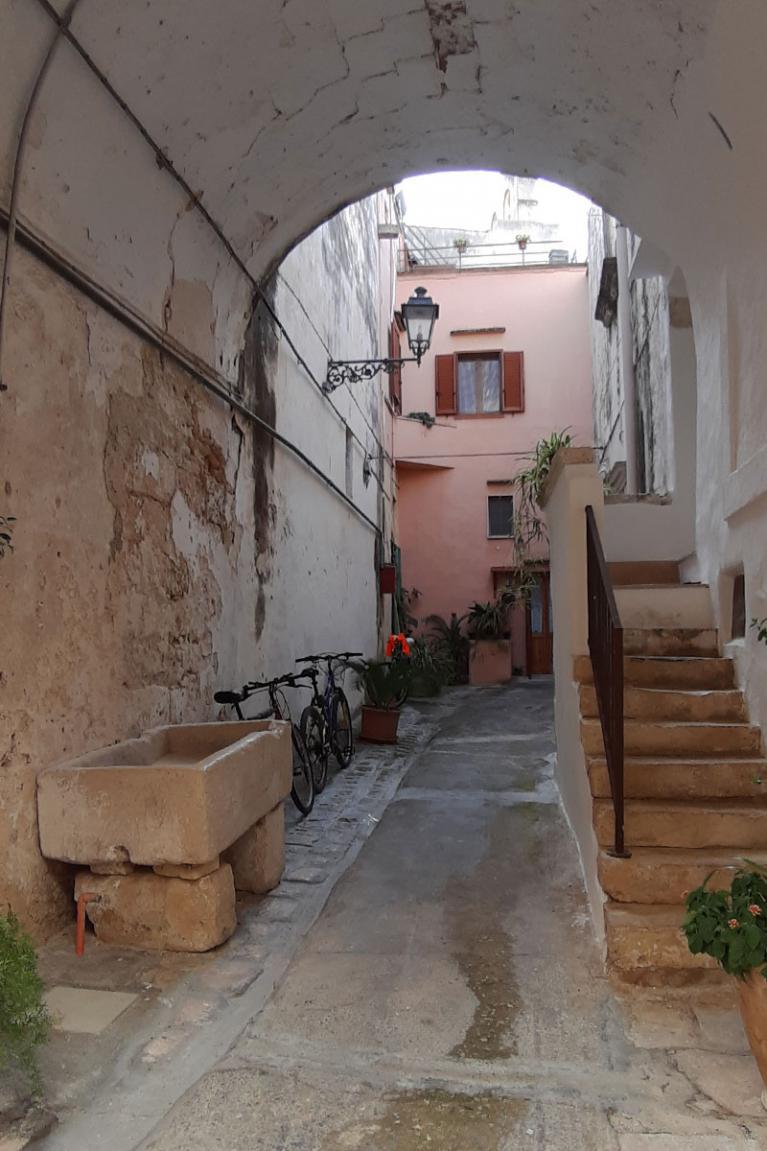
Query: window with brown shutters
pixel 395 377
pixel 513 382
pixel 445 385
pixel 480 383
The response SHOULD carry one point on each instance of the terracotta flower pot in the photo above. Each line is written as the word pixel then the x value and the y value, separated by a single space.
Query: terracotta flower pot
pixel 379 725
pixel 752 992
pixel 489 661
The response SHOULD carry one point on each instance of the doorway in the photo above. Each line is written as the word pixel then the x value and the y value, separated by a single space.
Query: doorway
pixel 539 627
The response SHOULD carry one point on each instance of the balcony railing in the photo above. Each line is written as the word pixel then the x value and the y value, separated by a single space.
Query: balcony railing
pixel 486 255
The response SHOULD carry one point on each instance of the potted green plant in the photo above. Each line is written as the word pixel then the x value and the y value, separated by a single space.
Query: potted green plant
pixel 449 643
pixel 430 669
pixel 730 925
pixel 490 640
pixel 385 683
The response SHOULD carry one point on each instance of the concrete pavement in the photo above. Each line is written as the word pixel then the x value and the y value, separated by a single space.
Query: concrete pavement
pixel 451 995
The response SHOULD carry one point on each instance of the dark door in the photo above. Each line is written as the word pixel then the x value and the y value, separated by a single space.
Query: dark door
pixel 540 631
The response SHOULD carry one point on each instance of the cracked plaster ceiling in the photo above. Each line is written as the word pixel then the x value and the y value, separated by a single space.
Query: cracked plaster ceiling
pixel 279 112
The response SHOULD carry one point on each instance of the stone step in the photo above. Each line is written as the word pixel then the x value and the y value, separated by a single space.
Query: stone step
pixel 672 823
pixel 654 777
pixel 696 740
pixel 665 704
pixel 645 944
pixel 653 876
pixel 705 673
pixel 670 641
pixel 624 573
pixel 680 606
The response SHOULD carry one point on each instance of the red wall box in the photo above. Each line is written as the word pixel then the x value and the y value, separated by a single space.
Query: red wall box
pixel 387 579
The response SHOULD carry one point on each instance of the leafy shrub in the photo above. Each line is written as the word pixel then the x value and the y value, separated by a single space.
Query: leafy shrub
pixel 24 1019
pixel 731 926
pixel 450 645
pixel 384 681
pixel 490 620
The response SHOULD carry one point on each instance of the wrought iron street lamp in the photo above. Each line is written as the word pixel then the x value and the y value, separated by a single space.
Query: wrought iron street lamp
pixel 418 315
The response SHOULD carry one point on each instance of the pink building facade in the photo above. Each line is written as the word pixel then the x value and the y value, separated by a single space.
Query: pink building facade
pixel 510 362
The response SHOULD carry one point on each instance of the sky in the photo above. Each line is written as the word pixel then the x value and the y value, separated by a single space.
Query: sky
pixel 468 200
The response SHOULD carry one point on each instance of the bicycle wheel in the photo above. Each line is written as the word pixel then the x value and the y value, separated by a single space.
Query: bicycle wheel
pixel 313 732
pixel 341 733
pixel 302 791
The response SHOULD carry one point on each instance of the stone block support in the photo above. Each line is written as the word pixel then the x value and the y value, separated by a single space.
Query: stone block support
pixel 258 857
pixel 158 914
pixel 573 484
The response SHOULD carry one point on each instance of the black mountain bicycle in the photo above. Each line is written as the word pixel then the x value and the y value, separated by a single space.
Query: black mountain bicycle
pixel 302 791
pixel 326 723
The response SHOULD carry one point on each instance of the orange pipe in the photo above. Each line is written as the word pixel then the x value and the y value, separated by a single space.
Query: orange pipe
pixel 82 900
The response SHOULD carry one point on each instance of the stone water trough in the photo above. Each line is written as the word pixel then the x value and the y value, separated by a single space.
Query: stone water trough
pixel 169 825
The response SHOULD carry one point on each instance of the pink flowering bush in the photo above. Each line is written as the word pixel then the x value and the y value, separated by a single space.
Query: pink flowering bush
pixel 731 926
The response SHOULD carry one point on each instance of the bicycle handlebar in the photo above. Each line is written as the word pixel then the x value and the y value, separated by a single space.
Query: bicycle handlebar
pixel 328 655
pixel 233 697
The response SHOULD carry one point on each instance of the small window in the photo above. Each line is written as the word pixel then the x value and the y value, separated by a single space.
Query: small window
pixel 500 515
pixel 479 383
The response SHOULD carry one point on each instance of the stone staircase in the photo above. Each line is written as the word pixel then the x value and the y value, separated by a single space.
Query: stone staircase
pixel 695 774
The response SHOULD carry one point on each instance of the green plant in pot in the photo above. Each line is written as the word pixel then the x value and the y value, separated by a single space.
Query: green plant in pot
pixel 386 683
pixel 730 925
pixel 431 669
pixel 489 632
pixel 449 645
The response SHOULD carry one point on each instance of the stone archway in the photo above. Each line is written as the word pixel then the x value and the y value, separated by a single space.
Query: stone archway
pixel 173 157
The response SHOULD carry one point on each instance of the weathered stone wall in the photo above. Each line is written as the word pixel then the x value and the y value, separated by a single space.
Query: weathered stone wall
pixel 652 377
pixel 165 545
pixel 605 352
pixel 652 372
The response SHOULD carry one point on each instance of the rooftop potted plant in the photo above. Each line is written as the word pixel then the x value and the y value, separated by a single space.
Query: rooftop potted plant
pixel 385 683
pixel 489 633
pixel 730 925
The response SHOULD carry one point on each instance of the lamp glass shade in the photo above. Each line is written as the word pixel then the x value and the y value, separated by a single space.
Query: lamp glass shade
pixel 419 315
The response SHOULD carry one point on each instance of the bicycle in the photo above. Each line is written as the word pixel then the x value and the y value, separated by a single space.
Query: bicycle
pixel 303 789
pixel 326 722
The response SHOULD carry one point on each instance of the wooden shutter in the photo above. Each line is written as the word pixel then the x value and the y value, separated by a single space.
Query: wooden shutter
pixel 445 385
pixel 513 382
pixel 395 379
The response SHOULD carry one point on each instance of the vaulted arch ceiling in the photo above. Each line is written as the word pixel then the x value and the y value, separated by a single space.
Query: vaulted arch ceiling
pixel 178 144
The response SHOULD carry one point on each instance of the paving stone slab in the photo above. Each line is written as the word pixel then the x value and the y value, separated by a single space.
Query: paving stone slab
pixel 84 1011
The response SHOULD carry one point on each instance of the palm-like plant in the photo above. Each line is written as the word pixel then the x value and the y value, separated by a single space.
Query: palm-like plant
pixel 450 643
pixel 490 620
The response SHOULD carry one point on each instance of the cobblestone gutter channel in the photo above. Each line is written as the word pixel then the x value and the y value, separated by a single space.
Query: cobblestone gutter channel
pixel 111 1091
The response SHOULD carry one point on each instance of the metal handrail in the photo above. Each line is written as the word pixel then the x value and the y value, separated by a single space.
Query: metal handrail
pixel 606 650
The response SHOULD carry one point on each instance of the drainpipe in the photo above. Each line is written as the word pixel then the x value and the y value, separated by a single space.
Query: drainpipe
pixel 626 342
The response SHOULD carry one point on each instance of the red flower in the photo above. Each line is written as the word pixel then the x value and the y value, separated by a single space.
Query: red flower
pixel 732 923
pixel 755 909
pixel 397 645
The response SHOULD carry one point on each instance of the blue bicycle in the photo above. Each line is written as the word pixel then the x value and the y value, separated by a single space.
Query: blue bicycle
pixel 326 722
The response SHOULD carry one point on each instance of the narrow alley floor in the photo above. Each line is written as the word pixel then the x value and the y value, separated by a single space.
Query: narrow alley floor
pixel 449 994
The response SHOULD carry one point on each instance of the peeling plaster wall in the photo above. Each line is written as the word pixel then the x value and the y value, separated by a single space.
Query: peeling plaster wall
pixel 652 372
pixel 165 546
pixel 128 594
pixel 663 355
